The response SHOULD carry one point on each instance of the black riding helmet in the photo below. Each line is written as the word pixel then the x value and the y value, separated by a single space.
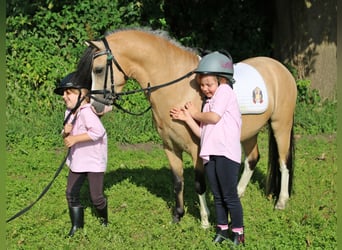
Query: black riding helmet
pixel 72 81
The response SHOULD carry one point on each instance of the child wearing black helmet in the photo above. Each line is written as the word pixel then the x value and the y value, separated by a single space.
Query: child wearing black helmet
pixel 86 137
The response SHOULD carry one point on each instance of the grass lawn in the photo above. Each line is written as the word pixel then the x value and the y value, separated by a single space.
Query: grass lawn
pixel 138 184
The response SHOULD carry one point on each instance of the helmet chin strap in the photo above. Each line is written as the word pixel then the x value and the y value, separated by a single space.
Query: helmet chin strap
pixel 78 104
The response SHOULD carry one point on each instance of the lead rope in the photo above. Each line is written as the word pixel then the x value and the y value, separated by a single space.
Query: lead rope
pixel 58 170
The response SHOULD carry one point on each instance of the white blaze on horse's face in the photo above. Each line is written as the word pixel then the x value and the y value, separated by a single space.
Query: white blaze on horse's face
pixel 98 73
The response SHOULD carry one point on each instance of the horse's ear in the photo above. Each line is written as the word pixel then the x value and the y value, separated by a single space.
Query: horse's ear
pixel 203 52
pixel 93 44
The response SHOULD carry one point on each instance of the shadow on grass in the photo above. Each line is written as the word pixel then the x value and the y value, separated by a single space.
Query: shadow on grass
pixel 159 182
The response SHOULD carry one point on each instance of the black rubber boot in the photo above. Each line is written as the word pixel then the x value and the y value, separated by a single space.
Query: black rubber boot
pixel 103 215
pixel 77 219
pixel 221 235
pixel 238 239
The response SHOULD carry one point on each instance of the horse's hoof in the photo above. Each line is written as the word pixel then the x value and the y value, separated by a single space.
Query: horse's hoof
pixel 178 213
pixel 176 218
pixel 240 192
pixel 205 225
pixel 280 206
pixel 205 220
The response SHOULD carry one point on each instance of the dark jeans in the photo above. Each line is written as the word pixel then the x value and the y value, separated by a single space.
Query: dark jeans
pixel 222 174
pixel 74 184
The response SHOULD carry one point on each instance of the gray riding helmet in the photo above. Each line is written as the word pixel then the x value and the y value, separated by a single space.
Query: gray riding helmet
pixel 216 63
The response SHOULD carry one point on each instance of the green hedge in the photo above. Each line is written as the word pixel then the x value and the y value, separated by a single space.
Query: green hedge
pixel 45 39
pixel 43 46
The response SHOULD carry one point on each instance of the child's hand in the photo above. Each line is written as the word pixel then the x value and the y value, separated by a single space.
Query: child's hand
pixel 67 128
pixel 190 108
pixel 179 114
pixel 174 113
pixel 69 141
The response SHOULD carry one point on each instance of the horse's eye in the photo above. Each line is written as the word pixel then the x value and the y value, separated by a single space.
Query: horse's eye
pixel 98 70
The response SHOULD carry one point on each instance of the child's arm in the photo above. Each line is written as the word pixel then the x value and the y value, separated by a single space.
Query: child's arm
pixel 71 140
pixel 205 117
pixel 183 115
pixel 193 125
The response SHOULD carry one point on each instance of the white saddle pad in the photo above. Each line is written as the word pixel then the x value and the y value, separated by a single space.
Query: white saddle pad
pixel 250 89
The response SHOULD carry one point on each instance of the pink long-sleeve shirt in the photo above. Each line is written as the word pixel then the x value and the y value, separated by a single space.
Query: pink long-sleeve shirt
pixel 222 138
pixel 89 156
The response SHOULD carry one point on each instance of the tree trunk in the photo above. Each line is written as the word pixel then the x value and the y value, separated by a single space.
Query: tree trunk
pixel 305 37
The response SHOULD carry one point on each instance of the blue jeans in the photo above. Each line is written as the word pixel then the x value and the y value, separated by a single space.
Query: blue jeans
pixel 223 174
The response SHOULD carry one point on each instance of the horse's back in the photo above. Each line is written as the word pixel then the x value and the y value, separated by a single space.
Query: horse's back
pixel 282 94
pixel 279 81
pixel 268 66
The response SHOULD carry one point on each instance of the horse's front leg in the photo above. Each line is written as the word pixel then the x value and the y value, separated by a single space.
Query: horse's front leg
pixel 200 187
pixel 176 165
pixel 251 159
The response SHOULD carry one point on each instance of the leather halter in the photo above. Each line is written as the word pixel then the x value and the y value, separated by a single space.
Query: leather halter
pixel 111 96
pixel 110 59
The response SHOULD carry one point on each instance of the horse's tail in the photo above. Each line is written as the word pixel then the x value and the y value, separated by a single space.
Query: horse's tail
pixel 273 181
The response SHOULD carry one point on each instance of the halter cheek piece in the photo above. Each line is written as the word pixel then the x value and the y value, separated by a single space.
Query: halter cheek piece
pixel 109 96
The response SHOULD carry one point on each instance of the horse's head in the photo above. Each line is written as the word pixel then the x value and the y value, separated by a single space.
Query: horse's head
pixel 107 76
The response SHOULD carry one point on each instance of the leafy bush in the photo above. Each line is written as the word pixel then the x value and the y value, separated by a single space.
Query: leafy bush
pixel 48 45
pixel 316 118
pixel 312 115
pixel 305 94
pixel 45 39
pixel 43 45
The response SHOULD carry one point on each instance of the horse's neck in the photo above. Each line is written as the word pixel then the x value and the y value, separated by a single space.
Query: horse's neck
pixel 154 60
pixel 163 69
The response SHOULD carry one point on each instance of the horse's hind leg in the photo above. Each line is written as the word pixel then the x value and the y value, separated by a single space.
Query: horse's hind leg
pixel 251 151
pixel 283 138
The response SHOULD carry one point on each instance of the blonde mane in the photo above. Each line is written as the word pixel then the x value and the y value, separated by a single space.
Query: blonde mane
pixel 160 33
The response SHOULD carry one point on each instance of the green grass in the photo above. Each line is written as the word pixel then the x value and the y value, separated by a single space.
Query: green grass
pixel 138 185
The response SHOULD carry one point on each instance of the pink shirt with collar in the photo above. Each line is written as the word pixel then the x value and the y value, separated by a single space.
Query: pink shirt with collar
pixel 222 138
pixel 90 156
